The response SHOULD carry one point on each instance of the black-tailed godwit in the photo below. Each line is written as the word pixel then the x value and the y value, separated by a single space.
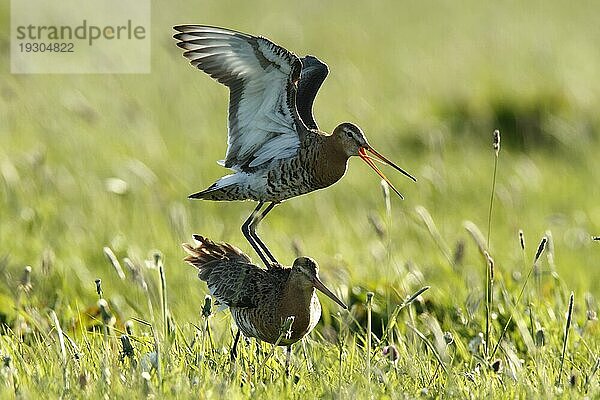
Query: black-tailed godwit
pixel 260 300
pixel 275 147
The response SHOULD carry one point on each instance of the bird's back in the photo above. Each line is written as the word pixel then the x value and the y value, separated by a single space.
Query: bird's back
pixel 230 275
pixel 259 299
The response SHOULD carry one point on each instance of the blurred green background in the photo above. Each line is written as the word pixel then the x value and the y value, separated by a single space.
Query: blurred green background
pixel 88 161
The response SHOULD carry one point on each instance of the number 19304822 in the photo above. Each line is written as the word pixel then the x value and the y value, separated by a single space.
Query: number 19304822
pixel 35 47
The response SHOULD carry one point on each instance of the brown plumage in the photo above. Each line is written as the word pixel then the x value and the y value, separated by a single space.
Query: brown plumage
pixel 259 299
pixel 275 147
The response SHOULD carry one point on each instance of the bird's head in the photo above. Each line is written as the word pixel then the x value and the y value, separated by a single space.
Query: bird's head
pixel 354 143
pixel 307 270
pixel 351 137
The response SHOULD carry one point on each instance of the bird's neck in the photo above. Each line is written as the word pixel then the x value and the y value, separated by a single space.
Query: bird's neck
pixel 298 291
pixel 331 161
pixel 297 301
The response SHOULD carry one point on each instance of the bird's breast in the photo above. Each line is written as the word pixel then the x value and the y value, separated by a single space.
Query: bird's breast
pixel 311 169
pixel 304 306
pixel 329 171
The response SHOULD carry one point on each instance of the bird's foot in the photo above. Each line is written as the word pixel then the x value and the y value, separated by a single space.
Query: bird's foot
pixel 274 264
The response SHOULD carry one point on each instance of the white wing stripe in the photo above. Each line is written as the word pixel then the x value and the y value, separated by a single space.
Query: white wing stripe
pixel 262 123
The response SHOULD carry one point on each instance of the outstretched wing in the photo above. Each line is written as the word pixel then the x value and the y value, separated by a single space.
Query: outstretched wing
pixel 261 77
pixel 314 72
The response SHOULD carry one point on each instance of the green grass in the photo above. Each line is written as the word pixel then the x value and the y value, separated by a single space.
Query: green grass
pixel 428 82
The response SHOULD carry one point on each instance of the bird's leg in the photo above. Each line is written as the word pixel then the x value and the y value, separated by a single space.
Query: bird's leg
pixel 233 354
pixel 252 229
pixel 308 362
pixel 287 360
pixel 247 231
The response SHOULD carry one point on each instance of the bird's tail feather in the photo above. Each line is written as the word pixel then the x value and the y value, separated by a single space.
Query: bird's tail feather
pixel 206 252
pixel 225 188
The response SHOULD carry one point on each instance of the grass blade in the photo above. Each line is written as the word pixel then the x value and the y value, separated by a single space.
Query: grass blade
pixel 566 337
pixel 540 249
pixel 429 345
pixel 496 145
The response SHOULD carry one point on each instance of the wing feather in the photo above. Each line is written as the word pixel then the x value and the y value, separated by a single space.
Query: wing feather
pixel 314 72
pixel 263 119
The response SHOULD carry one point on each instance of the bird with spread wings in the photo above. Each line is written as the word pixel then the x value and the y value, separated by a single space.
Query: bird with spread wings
pixel 274 145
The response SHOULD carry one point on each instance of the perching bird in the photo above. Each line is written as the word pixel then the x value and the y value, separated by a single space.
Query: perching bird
pixel 275 147
pixel 260 300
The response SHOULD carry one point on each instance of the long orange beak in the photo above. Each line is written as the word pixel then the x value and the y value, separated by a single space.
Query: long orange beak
pixel 362 152
pixel 321 287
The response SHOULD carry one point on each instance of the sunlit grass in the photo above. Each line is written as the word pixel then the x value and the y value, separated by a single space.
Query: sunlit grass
pixel 98 161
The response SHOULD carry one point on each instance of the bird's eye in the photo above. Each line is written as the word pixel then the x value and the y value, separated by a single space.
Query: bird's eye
pixel 349 134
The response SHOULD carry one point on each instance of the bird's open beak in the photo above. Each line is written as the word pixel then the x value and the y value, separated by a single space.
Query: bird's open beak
pixel 321 287
pixel 362 152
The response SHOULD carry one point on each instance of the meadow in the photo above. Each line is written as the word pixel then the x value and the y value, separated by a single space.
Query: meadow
pixel 95 171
